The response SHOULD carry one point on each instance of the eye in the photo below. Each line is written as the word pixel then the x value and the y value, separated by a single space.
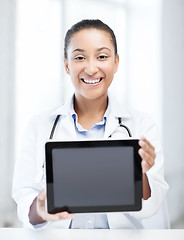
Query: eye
pixel 102 57
pixel 79 58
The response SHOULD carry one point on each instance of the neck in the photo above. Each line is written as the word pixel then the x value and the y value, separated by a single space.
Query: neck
pixel 90 111
pixel 84 106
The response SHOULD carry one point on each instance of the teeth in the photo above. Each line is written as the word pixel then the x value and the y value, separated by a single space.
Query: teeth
pixel 92 81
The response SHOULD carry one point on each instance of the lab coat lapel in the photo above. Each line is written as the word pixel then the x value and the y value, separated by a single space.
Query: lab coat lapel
pixel 111 126
pixel 66 125
pixel 68 128
pixel 116 110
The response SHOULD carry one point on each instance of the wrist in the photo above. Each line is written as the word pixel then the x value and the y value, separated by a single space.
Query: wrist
pixel 146 187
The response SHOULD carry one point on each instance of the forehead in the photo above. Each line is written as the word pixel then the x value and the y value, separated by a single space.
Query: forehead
pixel 91 38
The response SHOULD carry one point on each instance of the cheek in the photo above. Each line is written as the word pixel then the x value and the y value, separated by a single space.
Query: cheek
pixel 109 67
pixel 110 70
pixel 75 69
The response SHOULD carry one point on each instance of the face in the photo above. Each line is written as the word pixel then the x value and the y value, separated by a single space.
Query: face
pixel 91 63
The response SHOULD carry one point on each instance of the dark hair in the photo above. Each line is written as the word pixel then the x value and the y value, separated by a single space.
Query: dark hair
pixel 85 24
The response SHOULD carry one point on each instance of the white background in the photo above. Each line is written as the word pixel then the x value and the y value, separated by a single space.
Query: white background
pixel 150 36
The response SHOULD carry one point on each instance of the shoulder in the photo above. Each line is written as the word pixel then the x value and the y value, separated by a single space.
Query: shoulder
pixel 140 123
pixel 45 116
pixel 143 118
pixel 51 114
pixel 124 111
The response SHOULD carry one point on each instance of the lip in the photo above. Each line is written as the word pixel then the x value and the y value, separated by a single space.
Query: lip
pixel 92 81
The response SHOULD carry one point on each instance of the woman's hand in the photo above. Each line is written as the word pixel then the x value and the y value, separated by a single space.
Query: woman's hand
pixel 38 214
pixel 147 153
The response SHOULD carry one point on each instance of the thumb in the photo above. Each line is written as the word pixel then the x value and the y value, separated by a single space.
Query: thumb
pixel 42 195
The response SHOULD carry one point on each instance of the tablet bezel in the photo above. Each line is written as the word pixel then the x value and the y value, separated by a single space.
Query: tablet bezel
pixel 49 146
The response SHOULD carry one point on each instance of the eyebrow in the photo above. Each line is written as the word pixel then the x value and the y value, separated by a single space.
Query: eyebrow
pixel 82 50
pixel 78 50
pixel 102 48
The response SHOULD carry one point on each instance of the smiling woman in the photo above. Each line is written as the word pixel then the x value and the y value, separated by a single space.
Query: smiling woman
pixel 91 60
pixel 91 63
pixel 91 71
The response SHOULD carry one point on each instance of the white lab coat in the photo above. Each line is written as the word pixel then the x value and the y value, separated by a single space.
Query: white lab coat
pixel 29 173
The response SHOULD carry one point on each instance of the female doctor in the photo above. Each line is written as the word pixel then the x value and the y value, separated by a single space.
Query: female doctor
pixel 91 60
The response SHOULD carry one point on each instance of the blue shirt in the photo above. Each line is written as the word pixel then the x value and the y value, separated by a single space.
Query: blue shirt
pixel 96 132
pixel 89 220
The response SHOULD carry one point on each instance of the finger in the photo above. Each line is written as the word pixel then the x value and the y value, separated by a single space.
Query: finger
pixel 144 145
pixel 145 156
pixel 57 216
pixel 66 215
pixel 145 140
pixel 47 216
pixel 145 166
pixel 42 195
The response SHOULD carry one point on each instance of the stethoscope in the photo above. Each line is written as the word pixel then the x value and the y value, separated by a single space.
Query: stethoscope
pixel 58 116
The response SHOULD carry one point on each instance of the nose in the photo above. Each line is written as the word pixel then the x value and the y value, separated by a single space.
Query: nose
pixel 91 67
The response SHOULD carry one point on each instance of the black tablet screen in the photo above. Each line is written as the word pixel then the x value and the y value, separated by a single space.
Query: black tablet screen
pixel 93 176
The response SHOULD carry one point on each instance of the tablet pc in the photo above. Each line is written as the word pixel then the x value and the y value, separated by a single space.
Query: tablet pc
pixel 93 176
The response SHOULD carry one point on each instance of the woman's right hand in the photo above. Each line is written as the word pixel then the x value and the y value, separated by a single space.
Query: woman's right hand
pixel 38 214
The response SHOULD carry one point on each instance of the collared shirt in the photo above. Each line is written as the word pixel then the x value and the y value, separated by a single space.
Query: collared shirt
pixel 95 132
pixel 89 221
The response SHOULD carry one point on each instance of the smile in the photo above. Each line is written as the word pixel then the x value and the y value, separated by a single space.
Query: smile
pixel 91 81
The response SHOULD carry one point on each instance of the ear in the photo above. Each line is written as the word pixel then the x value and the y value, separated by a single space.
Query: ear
pixel 66 66
pixel 116 63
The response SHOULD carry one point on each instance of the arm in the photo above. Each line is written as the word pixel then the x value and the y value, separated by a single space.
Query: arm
pixel 28 178
pixel 154 185
pixel 147 153
pixel 146 187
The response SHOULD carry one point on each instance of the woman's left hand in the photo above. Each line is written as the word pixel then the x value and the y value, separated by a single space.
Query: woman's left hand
pixel 147 153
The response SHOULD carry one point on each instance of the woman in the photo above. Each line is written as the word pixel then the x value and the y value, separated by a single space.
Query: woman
pixel 91 60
